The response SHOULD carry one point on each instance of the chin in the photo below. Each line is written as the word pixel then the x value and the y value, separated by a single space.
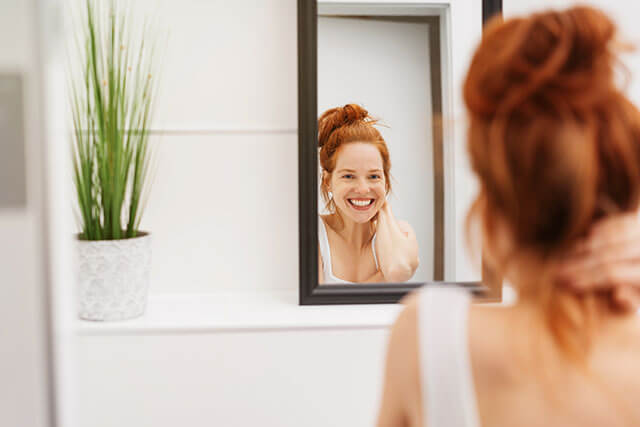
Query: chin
pixel 345 212
pixel 364 219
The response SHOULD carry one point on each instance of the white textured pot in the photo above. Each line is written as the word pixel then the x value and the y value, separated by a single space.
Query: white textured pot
pixel 113 276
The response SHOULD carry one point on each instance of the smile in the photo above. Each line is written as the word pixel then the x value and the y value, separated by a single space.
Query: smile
pixel 360 204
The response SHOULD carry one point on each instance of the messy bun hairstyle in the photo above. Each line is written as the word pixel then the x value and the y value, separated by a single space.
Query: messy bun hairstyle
pixel 555 144
pixel 344 125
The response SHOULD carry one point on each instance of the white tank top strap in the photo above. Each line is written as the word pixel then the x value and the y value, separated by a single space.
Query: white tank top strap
pixel 373 249
pixel 447 382
pixel 325 250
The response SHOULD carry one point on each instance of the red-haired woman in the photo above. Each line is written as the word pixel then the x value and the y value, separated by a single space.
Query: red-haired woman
pixel 360 241
pixel 556 148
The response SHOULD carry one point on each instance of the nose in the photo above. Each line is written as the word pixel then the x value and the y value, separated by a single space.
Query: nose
pixel 363 187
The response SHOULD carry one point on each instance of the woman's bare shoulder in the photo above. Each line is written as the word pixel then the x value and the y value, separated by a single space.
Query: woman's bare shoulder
pixel 404 336
pixel 405 325
pixel 481 318
pixel 487 329
pixel 490 347
pixel 402 365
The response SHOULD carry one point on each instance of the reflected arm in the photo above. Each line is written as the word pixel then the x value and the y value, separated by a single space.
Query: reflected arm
pixel 396 247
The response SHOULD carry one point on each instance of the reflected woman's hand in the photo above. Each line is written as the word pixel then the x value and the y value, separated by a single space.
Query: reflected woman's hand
pixel 608 259
pixel 396 246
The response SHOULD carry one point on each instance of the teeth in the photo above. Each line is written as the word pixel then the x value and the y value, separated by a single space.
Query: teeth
pixel 361 202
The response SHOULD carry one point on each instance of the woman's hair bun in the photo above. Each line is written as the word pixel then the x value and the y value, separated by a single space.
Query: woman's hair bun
pixel 593 30
pixel 354 112
pixel 557 57
pixel 337 117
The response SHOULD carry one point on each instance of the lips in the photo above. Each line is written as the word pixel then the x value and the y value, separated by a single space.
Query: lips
pixel 361 204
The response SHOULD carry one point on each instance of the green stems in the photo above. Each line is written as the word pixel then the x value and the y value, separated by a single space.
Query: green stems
pixel 111 95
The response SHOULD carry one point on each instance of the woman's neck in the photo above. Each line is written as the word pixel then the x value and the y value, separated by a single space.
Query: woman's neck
pixel 355 234
pixel 602 310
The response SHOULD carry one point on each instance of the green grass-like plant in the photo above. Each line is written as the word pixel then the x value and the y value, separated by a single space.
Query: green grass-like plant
pixel 111 93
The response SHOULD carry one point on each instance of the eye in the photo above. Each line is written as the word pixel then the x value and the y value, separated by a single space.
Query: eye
pixel 374 176
pixel 347 176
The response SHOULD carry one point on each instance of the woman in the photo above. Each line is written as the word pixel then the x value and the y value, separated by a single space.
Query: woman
pixel 556 148
pixel 360 241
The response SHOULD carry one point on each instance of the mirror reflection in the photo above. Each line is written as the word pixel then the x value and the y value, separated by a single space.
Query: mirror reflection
pixel 360 240
pixel 378 93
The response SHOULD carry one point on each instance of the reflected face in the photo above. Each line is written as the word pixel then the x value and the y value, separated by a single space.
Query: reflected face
pixel 357 182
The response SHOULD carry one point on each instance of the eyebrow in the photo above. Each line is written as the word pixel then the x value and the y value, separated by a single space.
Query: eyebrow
pixel 351 170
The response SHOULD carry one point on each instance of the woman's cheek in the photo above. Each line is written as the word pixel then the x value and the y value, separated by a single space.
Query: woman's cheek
pixel 382 194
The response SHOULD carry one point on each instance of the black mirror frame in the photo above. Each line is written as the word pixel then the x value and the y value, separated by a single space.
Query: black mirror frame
pixel 310 292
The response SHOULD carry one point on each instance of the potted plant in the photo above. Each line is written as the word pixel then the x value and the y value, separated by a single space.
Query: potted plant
pixel 111 95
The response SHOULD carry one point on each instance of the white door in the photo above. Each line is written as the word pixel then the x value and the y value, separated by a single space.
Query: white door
pixel 27 325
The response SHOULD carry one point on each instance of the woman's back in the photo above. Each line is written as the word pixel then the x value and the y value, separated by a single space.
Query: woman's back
pixel 522 379
pixel 518 375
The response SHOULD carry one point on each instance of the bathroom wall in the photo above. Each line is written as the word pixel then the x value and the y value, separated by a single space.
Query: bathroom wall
pixel 223 209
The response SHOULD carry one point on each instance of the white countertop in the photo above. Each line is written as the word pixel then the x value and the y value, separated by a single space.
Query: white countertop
pixel 242 310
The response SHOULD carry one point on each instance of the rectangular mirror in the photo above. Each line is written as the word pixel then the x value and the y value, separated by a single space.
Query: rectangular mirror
pixel 389 66
pixel 379 215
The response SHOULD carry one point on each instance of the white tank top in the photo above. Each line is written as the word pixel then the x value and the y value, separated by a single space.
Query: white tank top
pixel 325 253
pixel 447 381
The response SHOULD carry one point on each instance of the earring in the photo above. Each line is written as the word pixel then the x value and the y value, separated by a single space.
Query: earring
pixel 330 195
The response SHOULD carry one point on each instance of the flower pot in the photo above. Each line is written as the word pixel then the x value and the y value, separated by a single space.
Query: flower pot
pixel 113 277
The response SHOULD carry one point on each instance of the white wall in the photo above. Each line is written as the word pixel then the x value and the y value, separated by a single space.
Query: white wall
pixel 385 67
pixel 223 210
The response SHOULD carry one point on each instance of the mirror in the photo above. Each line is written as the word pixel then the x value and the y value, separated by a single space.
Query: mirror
pixel 376 207
pixel 390 67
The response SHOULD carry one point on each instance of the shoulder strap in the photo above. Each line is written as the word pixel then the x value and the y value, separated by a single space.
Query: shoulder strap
pixel 325 250
pixel 373 249
pixel 447 382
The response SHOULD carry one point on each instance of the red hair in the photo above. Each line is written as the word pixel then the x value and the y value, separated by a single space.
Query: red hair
pixel 343 125
pixel 555 145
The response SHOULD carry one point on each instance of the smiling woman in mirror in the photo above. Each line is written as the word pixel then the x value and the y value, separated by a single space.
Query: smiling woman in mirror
pixel 360 240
